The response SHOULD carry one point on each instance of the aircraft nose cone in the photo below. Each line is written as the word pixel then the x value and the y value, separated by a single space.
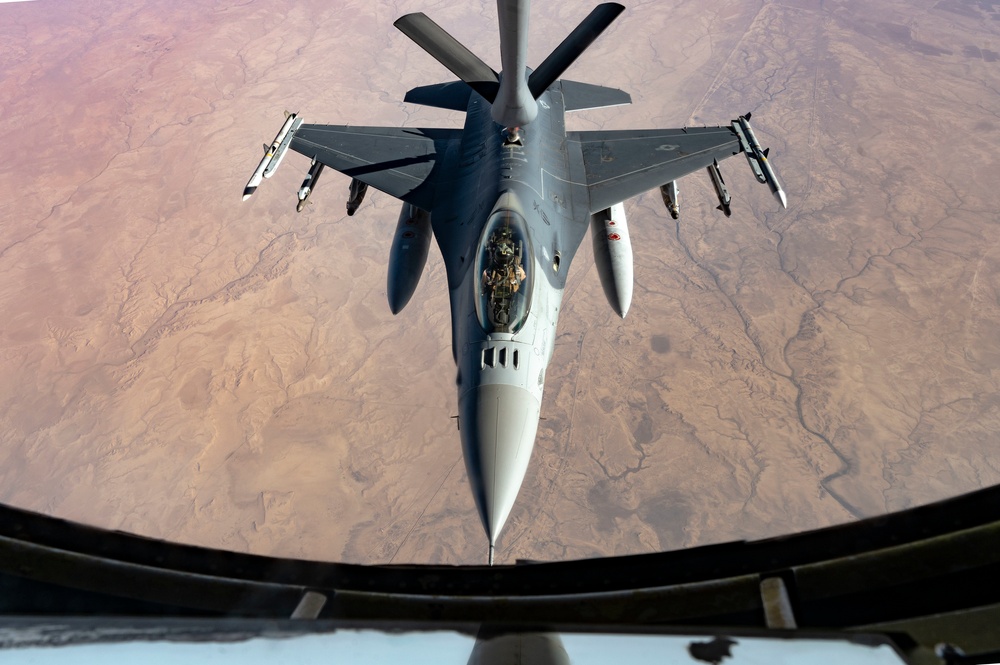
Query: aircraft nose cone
pixel 498 428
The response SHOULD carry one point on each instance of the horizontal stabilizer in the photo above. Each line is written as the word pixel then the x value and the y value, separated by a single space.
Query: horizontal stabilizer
pixel 570 49
pixel 579 96
pixel 453 96
pixel 447 50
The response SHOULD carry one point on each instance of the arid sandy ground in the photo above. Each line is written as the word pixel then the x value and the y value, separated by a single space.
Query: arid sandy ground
pixel 179 364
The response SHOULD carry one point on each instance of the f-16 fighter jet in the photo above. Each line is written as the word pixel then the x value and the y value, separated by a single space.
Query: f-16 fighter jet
pixel 509 198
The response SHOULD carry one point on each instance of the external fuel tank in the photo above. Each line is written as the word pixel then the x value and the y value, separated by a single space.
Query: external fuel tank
pixel 408 255
pixel 613 256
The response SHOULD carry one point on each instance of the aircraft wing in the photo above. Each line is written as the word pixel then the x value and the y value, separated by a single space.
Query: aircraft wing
pixel 402 162
pixel 623 164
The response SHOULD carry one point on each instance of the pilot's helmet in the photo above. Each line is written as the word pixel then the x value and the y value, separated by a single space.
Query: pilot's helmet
pixel 504 252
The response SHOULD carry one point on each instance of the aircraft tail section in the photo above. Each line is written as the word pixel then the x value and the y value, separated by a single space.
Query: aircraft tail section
pixel 581 96
pixel 453 96
pixel 513 93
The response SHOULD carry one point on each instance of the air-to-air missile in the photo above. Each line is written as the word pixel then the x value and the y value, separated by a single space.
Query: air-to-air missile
pixel 757 157
pixel 671 198
pixel 720 188
pixel 309 184
pixel 273 154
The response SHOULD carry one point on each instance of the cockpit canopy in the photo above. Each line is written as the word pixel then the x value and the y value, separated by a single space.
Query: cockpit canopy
pixel 504 268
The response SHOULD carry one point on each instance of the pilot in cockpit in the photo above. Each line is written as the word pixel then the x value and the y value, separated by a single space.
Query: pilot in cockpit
pixel 505 272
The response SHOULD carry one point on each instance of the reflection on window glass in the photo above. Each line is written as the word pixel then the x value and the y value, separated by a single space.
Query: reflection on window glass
pixel 252 646
pixel 503 265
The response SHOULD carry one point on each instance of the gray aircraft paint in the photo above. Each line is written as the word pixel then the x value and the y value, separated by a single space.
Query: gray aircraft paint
pixel 509 198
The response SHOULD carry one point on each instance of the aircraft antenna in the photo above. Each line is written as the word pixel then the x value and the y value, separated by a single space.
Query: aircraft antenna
pixel 491 554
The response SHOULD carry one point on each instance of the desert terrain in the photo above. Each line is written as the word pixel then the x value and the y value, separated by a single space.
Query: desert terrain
pixel 178 364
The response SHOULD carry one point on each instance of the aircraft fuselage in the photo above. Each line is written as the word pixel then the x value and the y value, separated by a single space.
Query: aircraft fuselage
pixel 501 363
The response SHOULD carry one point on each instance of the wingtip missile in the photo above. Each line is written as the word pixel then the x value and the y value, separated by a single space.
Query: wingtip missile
pixel 757 157
pixel 773 183
pixel 782 199
pixel 256 178
pixel 287 132
pixel 273 154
